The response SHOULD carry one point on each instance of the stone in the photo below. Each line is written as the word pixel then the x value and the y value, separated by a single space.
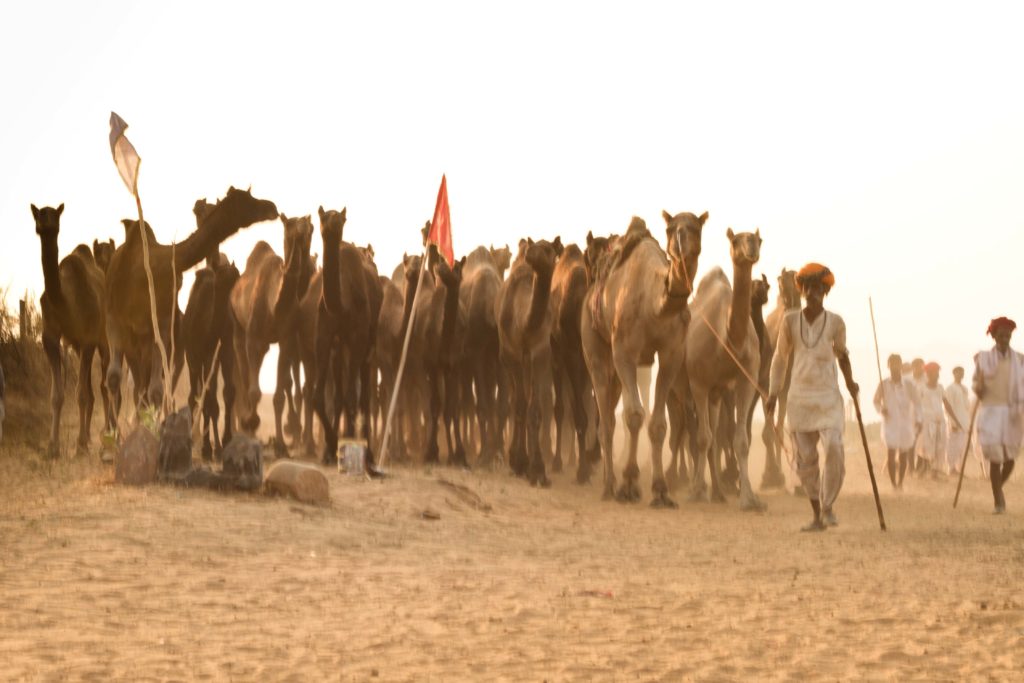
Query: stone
pixel 135 463
pixel 175 451
pixel 297 480
pixel 243 461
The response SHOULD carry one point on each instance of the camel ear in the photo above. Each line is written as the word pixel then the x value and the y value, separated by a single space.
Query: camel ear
pixel 95 245
pixel 344 210
pixel 60 209
pixel 590 237
pixel 320 212
pixel 35 212
pixel 666 215
pixel 557 244
pixel 284 219
pixel 729 233
pixel 127 222
pixel 703 218
pixel 757 234
pixel 111 241
pixel 764 278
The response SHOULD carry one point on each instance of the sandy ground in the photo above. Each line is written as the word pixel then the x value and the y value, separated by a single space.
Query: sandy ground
pixel 101 582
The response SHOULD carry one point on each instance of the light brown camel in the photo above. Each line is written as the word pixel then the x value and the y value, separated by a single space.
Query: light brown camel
pixel 712 371
pixel 72 309
pixel 263 307
pixel 126 295
pixel 788 300
pixel 634 310
pixel 569 285
pixel 524 332
pixel 346 335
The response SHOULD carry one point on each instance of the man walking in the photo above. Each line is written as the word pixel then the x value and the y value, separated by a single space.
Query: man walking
pixel 932 440
pixel 816 339
pixel 956 406
pixel 895 400
pixel 999 385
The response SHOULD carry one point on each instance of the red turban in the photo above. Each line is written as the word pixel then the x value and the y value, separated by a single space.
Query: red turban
pixel 1001 322
pixel 931 367
pixel 815 271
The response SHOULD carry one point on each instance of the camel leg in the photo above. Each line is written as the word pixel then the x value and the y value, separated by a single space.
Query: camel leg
pixel 633 416
pixel 745 396
pixel 211 416
pixel 366 372
pixel 485 409
pixel 559 410
pixel 678 473
pixel 578 388
pixel 227 372
pixel 517 452
pixel 282 394
pixel 714 414
pixel 108 412
pixel 543 388
pixel 241 374
pixel 535 393
pixel 727 426
pixel 323 364
pixel 698 486
pixel 453 400
pixel 254 354
pixel 85 398
pixel 656 428
pixel 432 455
pixel 51 345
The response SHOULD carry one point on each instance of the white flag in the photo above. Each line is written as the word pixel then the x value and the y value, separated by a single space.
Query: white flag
pixel 125 157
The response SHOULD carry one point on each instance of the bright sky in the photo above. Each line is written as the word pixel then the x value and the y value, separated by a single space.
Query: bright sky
pixel 884 140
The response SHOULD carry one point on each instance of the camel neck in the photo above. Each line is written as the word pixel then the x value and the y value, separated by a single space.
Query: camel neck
pixel 51 269
pixel 450 316
pixel 757 317
pixel 739 312
pixel 331 274
pixel 539 297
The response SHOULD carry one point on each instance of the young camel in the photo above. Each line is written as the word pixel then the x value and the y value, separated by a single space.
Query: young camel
pixel 637 309
pixel 712 371
pixel 788 300
pixel 72 309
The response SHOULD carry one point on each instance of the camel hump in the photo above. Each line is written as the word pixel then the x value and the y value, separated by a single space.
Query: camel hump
pixel 259 253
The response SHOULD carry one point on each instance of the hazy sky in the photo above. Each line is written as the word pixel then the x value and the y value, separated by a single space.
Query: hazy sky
pixel 884 140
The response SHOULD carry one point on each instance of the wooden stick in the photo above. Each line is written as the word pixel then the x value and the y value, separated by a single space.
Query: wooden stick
pixel 871 470
pixel 963 463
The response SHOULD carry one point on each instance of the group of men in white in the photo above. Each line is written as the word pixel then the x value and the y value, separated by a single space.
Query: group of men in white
pixel 926 425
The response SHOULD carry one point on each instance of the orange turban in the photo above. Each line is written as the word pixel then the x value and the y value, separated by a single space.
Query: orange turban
pixel 815 271
pixel 931 367
pixel 1001 322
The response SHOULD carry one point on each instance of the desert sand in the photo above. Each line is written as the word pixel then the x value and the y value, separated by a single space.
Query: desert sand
pixel 485 578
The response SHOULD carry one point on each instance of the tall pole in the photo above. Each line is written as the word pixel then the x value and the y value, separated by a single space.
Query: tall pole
pixel 967 449
pixel 871 470
pixel 401 364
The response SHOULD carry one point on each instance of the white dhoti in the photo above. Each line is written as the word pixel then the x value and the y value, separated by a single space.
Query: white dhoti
pixel 999 432
pixel 956 442
pixel 932 442
pixel 820 483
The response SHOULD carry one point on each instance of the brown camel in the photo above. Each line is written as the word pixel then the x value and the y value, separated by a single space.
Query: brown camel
pixel 72 311
pixel 712 371
pixel 126 297
pixel 345 336
pixel 208 333
pixel 524 331
pixel 569 285
pixel 787 301
pixel 636 308
pixel 102 253
pixel 263 306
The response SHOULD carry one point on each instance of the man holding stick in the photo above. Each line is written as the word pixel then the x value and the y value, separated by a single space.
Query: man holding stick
pixel 895 400
pixel 815 338
pixel 957 408
pixel 999 385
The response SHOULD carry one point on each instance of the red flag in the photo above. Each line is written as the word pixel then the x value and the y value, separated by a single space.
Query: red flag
pixel 441 227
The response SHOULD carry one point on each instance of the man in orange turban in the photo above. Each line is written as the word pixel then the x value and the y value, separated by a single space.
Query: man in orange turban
pixel 816 339
pixel 999 385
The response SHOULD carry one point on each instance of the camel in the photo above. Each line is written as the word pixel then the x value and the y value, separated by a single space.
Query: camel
pixel 524 332
pixel 72 309
pixel 209 348
pixel 712 371
pixel 388 352
pixel 346 332
pixel 788 301
pixel 481 284
pixel 263 307
pixel 126 295
pixel 570 281
pixel 102 252
pixel 636 308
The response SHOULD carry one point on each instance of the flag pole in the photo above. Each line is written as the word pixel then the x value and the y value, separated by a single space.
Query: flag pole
pixel 152 292
pixel 401 364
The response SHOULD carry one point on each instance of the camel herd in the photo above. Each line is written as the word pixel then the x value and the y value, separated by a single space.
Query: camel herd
pixel 503 349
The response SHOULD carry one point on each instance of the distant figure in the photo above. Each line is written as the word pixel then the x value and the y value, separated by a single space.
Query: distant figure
pixel 956 405
pixel 895 399
pixel 932 440
pixel 815 338
pixel 917 383
pixel 999 385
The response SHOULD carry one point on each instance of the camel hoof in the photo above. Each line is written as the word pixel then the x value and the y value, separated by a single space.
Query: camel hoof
pixel 280 450
pixel 53 451
pixel 753 504
pixel 207 452
pixel 609 492
pixel 556 464
pixel 540 482
pixel 772 480
pixel 717 497
pixel 663 502
pixel 81 450
pixel 583 474
pixel 799 491
pixel 628 493
pixel 697 496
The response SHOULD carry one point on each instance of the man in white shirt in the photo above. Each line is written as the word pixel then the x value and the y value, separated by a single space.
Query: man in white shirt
pixel 999 385
pixel 816 339
pixel 895 399
pixel 956 406
pixel 932 441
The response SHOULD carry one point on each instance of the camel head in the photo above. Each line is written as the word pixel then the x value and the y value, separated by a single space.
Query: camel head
pixel 47 220
pixel 684 232
pixel 745 247
pixel 227 275
pixel 425 232
pixel 332 223
pixel 238 208
pixel 298 234
pixel 368 252
pixel 451 276
pixel 541 256
pixel 103 252
pixel 596 249
pixel 412 268
pixel 131 229
pixel 759 292
pixel 788 291
pixel 502 257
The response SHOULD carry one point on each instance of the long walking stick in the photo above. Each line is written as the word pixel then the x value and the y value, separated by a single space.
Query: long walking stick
pixel 871 470
pixel 963 463
pixel 878 362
